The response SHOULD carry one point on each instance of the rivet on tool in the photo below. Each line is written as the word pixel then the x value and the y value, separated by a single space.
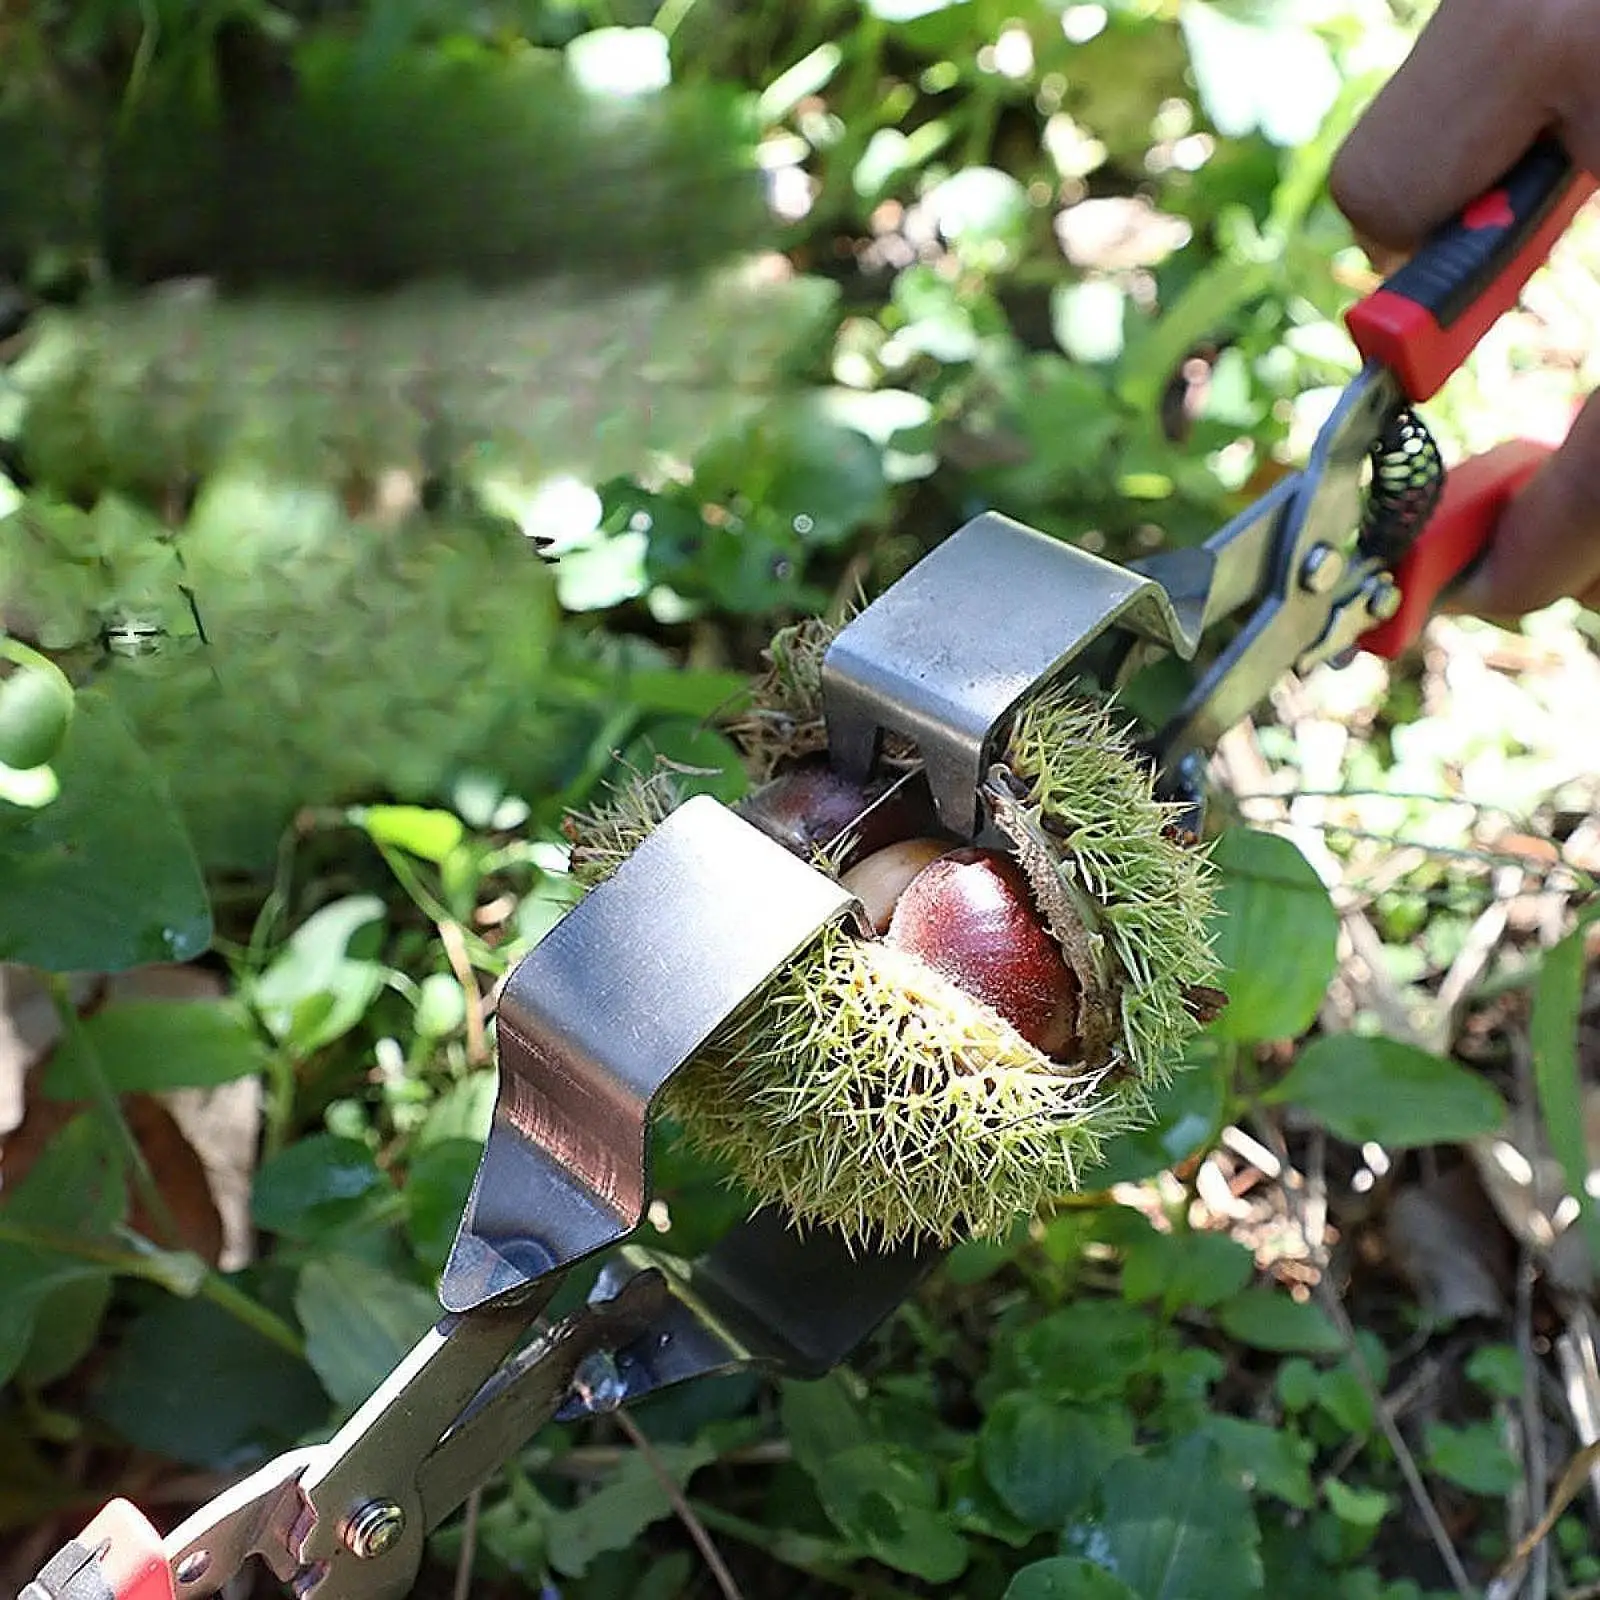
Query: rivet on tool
pixel 1384 599
pixel 598 1384
pixel 193 1566
pixel 1322 568
pixel 373 1529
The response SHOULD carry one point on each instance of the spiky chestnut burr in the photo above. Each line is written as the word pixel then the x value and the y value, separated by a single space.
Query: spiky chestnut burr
pixel 866 1089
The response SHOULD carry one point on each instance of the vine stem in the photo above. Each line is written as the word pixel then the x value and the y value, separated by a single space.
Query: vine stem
pixel 212 1286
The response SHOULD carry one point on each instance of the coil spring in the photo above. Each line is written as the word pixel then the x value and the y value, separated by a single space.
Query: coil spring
pixel 1407 480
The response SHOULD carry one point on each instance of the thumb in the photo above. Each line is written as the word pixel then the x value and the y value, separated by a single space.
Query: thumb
pixel 1547 544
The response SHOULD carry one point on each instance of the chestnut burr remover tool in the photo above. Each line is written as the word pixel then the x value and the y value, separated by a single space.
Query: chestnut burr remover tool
pixel 1351 552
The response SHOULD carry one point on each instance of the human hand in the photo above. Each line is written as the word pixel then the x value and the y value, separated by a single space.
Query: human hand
pixel 1485 80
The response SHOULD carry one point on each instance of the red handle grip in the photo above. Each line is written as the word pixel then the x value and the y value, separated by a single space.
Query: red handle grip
pixel 1429 316
pixel 117 1557
pixel 1457 534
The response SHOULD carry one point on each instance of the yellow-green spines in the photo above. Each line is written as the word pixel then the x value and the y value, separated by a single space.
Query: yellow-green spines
pixel 1146 891
pixel 866 1091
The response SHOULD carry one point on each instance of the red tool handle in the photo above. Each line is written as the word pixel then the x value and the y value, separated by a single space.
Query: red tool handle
pixel 117 1557
pixel 1427 318
pixel 1457 534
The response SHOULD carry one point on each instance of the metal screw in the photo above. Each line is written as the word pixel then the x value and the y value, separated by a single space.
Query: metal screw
pixel 598 1384
pixel 1384 599
pixel 374 1529
pixel 1322 568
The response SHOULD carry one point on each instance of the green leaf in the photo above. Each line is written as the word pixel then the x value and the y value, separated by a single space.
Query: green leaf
pixel 1086 1350
pixel 1361 1508
pixel 1497 1369
pixel 1277 937
pixel 821 1420
pixel 1475 1457
pixel 1186 1113
pixel 193 1384
pixel 438 1180
pixel 1045 1460
pixel 885 1500
pixel 614 1516
pixel 419 831
pixel 315 1185
pixel 359 1321
pixel 1272 1460
pixel 1176 1526
pixel 75 1189
pixel 1268 1319
pixel 1387 1092
pixel 103 878
pixel 150 1046
pixel 1185 1269
pixel 1553 1030
pixel 711 764
pixel 1066 1578
pixel 318 987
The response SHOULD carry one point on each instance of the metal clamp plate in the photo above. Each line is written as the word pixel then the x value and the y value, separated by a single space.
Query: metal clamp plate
pixel 599 1015
pixel 945 654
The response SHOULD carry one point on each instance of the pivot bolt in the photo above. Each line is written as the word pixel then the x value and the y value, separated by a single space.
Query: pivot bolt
pixel 1322 568
pixel 597 1384
pixel 374 1529
pixel 1384 599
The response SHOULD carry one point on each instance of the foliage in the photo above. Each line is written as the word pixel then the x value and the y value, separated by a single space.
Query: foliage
pixel 327 711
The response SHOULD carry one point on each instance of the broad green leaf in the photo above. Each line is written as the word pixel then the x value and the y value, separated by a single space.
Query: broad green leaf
pixel 1553 1029
pixel 1474 1457
pixel 438 1180
pixel 616 1514
pixel 1387 1092
pixel 1275 1461
pixel 1045 1459
pixel 1185 1269
pixel 1361 1508
pixel 1186 1113
pixel 66 1326
pixel 104 877
pixel 1176 1527
pixel 821 1421
pixel 149 1046
pixel 1087 1349
pixel 193 1384
pixel 709 763
pixel 359 1321
pixel 74 1189
pixel 974 1507
pixel 319 986
pixel 1067 1578
pixel 314 1185
pixel 418 830
pixel 1268 1319
pixel 1497 1369
pixel 885 1500
pixel 1277 937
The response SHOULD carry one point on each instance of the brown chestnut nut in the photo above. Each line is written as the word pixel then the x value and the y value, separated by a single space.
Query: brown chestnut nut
pixel 970 915
pixel 879 880
pixel 810 807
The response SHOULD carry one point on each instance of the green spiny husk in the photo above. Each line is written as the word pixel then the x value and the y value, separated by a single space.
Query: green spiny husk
pixel 863 1090
pixel 1114 860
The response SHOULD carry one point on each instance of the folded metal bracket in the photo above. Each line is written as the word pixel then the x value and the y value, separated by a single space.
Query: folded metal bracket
pixel 618 996
pixel 945 654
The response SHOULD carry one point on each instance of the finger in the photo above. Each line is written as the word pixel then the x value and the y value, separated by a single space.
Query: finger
pixel 1477 89
pixel 1548 542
